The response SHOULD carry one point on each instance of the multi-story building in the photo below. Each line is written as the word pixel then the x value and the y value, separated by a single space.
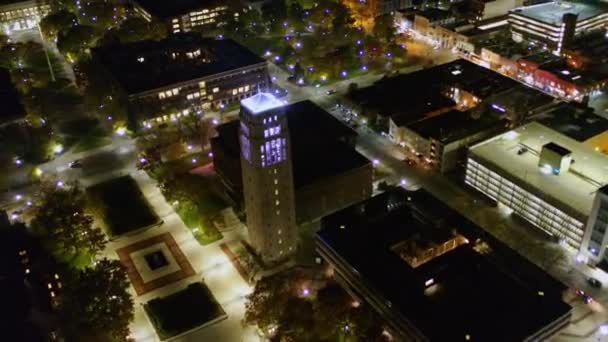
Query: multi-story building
pixel 548 178
pixel 182 74
pixel 183 15
pixel 488 9
pixel 556 24
pixel 267 177
pixel 430 273
pixel 328 173
pixel 436 123
pixel 22 15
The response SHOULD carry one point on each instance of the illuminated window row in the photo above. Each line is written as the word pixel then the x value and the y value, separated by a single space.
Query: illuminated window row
pixel 525 204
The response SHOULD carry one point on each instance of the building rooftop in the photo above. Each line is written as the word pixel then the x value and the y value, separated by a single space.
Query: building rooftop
pixel 318 143
pixel 458 293
pixel 261 102
pixel 572 191
pixel 168 9
pixel 435 14
pixel 552 12
pixel 455 125
pixel 12 109
pixel 408 97
pixel 149 65
pixel 576 122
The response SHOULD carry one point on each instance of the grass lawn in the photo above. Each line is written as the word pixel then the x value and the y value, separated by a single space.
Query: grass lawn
pixel 183 310
pixel 84 134
pixel 121 204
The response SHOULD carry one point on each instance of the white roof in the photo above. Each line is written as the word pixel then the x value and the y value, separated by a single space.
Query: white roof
pixel 261 102
pixel 574 189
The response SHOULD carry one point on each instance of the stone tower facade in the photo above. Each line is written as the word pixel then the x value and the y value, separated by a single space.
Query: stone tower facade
pixel 267 177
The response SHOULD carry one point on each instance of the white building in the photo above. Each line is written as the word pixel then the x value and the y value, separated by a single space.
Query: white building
pixel 22 15
pixel 548 179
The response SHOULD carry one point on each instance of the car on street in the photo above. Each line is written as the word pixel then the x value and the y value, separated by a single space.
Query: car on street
pixel 330 92
pixel 594 282
pixel 75 164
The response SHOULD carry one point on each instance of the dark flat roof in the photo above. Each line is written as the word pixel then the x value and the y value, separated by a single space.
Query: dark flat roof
pixel 474 294
pixel 12 109
pixel 158 68
pixel 455 125
pixel 575 121
pixel 562 151
pixel 317 143
pixel 405 94
pixel 166 9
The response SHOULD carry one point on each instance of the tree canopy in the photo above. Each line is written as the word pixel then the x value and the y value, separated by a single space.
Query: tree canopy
pixel 95 302
pixel 60 219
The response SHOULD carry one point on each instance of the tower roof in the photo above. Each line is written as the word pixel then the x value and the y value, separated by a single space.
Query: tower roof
pixel 261 102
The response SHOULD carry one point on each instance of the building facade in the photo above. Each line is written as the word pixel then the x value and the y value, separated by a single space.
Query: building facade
pixel 182 75
pixel 550 180
pixel 22 15
pixel 556 24
pixel 182 15
pixel 268 178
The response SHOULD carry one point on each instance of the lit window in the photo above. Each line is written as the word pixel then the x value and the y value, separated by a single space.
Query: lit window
pixel 216 89
pixel 234 92
pixel 161 95
pixel 140 59
pixel 175 91
pixel 246 88
pixel 277 202
pixel 168 93
pixel 241 89
pixel 276 181
pixel 276 192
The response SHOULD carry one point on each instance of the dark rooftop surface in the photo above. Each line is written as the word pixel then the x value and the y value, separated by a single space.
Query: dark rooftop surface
pixel 562 151
pixel 455 125
pixel 407 97
pixel 435 14
pixel 316 143
pixel 12 109
pixel 147 65
pixel 490 297
pixel 574 121
pixel 166 9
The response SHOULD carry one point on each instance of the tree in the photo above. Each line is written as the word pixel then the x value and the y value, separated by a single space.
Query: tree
pixel 96 302
pixel 56 23
pixel 342 20
pixel 60 219
pixel 76 40
pixel 384 27
pixel 274 12
pixel 135 29
pixel 266 303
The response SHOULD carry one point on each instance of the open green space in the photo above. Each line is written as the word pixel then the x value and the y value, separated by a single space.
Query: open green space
pixel 84 134
pixel 183 310
pixel 121 205
pixel 194 197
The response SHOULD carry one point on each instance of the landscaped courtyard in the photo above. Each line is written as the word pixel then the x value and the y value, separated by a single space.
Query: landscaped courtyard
pixel 121 205
pixel 183 310
pixel 193 196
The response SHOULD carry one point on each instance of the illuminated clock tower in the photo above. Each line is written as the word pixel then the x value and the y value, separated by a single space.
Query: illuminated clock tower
pixel 267 177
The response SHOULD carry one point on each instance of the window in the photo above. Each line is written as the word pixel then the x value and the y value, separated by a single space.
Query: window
pixel 175 91
pixel 234 92
pixel 247 88
pixel 141 59
pixel 216 89
pixel 277 202
pixel 161 95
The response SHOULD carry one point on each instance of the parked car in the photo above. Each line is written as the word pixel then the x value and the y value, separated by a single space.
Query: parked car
pixel 594 282
pixel 330 92
pixel 75 164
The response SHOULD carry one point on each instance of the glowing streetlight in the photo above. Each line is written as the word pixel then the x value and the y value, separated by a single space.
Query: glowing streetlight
pixel 18 162
pixel 121 131
pixel 59 184
pixel 375 162
pixel 58 148
pixel 18 197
